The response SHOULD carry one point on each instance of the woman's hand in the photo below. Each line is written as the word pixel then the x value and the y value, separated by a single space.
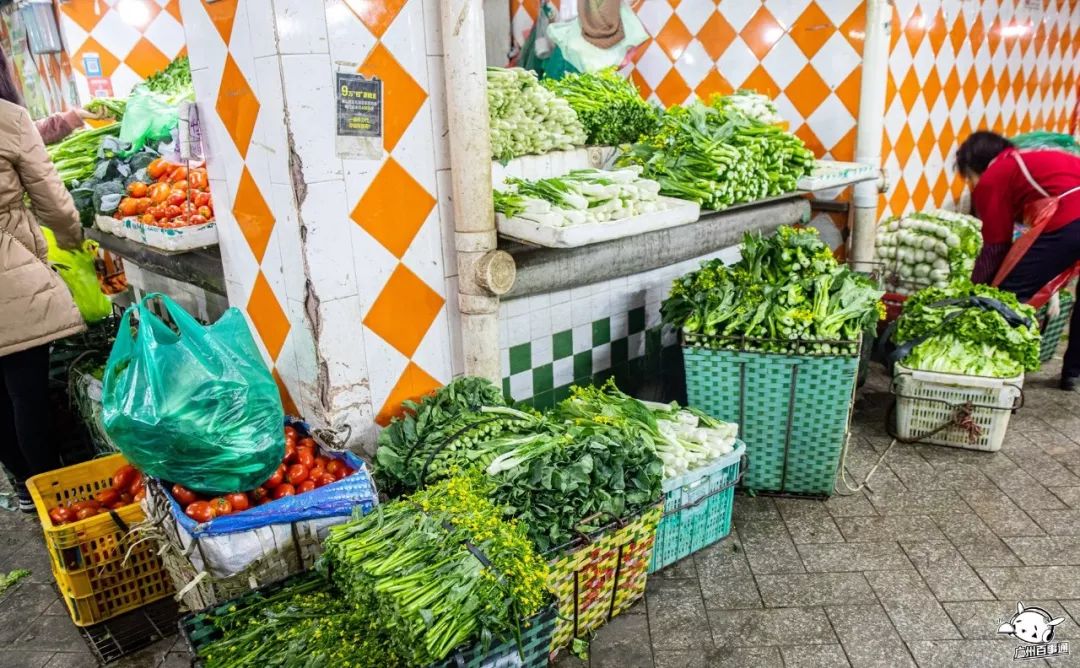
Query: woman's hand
pixel 86 114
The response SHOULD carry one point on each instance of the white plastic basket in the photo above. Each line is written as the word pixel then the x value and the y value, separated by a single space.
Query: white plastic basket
pixel 927 400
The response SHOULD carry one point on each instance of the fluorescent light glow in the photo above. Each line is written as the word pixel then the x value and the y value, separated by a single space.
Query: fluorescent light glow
pixel 134 12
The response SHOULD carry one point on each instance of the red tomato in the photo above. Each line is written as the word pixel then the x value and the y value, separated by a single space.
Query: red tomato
pixel 179 174
pixel 183 495
pixel 203 199
pixel 206 212
pixel 196 219
pixel 143 205
pixel 136 484
pixel 297 474
pixel 81 505
pixel 307 442
pixel 275 480
pixel 334 467
pixel 176 197
pixel 139 495
pixel 290 432
pixel 290 451
pixel 156 168
pixel 221 506
pixel 172 211
pixel 60 515
pixel 284 490
pixel 348 472
pixel 159 192
pixel 123 476
pixel 259 496
pixel 200 511
pixel 305 486
pixel 197 178
pixel 238 501
pixel 147 219
pixel 325 479
pixel 305 456
pixel 322 460
pixel 107 497
pixel 316 470
pixel 180 185
pixel 83 513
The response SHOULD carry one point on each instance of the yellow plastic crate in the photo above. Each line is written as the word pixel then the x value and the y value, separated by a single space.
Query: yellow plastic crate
pixel 99 573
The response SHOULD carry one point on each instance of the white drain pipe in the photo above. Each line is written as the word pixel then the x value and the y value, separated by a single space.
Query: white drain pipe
pixel 484 273
pixel 869 128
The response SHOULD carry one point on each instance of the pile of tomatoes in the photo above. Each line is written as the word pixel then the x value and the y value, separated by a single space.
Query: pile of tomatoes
pixel 302 470
pixel 128 487
pixel 179 197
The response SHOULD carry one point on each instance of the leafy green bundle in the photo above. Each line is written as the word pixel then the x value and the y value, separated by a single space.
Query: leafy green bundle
pixel 786 293
pixel 174 82
pixel 102 189
pixel 926 313
pixel 719 157
pixel 306 623
pixel 527 118
pixel 439 569
pixel 76 156
pixel 549 472
pixel 608 105
pixel 949 354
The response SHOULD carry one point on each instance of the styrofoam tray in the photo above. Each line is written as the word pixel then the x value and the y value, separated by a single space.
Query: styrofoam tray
pixel 109 224
pixel 556 163
pixel 679 212
pixel 828 174
pixel 170 239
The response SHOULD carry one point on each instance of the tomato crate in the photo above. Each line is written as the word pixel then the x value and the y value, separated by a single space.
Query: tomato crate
pixel 601 575
pixel 101 569
pixel 529 651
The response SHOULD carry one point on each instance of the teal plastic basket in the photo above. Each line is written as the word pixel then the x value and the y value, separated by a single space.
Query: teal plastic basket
pixel 1054 328
pixel 697 508
pixel 793 410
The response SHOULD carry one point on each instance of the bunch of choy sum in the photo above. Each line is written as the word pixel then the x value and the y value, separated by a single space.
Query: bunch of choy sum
pixel 439 569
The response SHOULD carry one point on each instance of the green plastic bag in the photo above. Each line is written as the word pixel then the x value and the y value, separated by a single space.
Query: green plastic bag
pixel 148 118
pixel 77 269
pixel 192 404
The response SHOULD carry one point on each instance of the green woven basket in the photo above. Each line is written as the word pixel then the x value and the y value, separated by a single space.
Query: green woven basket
pixel 697 509
pixel 198 631
pixel 1053 328
pixel 792 410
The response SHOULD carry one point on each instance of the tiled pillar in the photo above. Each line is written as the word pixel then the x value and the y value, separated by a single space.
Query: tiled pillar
pixel 340 264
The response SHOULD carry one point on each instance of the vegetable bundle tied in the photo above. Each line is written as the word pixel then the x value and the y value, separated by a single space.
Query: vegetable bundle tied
pixel 438 569
pixel 750 104
pixel 76 156
pixel 580 197
pixel 719 158
pixel 928 249
pixel 965 338
pixel 527 118
pixel 610 107
pixel 787 293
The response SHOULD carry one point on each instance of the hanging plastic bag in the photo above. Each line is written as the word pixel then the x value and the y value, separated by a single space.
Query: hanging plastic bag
pixel 192 404
pixel 148 118
pixel 76 268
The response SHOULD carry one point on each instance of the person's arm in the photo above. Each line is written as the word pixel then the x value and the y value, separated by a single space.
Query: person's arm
pixel 51 201
pixel 58 126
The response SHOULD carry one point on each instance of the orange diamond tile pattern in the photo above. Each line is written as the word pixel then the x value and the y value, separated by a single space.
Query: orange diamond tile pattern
pixel 673 89
pixel 404 311
pixel 393 208
pixel 377 15
pixel 762 32
pixel 402 96
pixel 223 14
pixel 674 37
pixel 237 105
pixel 413 384
pixel 109 62
pixel 268 317
pixel 145 58
pixel 812 29
pixel 252 214
pixel 287 402
pixel 715 35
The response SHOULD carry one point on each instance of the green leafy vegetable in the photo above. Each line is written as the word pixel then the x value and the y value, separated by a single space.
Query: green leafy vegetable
pixel 608 105
pixel 719 158
pixel 581 196
pixel 527 118
pixel 787 293
pixel 76 157
pixel 174 82
pixel 949 354
pixel 949 311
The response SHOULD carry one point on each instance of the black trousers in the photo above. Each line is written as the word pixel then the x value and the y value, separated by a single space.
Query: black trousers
pixel 1051 254
pixel 28 447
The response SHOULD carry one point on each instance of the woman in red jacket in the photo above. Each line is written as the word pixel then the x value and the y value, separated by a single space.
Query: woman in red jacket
pixel 1003 181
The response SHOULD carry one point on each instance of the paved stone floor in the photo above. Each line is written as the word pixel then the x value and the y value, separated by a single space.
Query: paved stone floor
pixel 918 569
